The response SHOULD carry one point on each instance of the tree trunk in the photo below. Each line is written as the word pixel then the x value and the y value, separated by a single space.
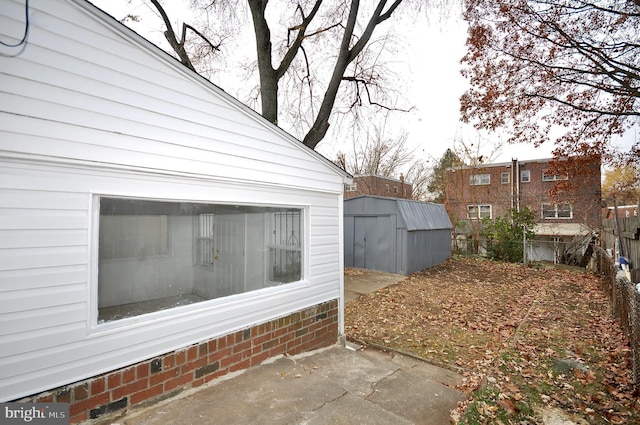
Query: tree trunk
pixel 268 76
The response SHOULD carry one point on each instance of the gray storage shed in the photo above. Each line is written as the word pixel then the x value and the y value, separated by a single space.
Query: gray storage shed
pixel 395 235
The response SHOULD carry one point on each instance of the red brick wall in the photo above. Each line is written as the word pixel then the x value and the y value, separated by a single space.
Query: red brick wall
pixel 377 186
pixel 166 375
pixel 584 192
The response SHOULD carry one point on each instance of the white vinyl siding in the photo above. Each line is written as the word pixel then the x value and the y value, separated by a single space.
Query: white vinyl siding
pixel 165 121
pixel 78 122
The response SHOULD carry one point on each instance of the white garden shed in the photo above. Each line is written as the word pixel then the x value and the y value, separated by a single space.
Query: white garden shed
pixel 154 232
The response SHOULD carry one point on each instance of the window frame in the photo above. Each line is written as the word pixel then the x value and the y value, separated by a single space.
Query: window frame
pixel 95 327
pixel 483 179
pixel 556 210
pixel 524 173
pixel 478 207
pixel 508 177
pixel 553 178
pixel 353 187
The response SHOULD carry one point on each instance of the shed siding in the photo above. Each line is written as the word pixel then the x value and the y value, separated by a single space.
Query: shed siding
pixel 45 289
pixel 421 233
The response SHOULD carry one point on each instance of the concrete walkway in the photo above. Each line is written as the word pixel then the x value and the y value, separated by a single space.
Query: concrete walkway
pixel 330 386
pixel 337 385
pixel 360 281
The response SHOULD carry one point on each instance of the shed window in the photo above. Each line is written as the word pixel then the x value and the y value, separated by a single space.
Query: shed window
pixel 157 255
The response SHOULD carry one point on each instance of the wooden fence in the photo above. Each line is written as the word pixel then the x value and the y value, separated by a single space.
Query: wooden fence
pixel 623 238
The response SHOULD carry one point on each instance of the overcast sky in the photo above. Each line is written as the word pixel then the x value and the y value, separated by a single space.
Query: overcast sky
pixel 433 84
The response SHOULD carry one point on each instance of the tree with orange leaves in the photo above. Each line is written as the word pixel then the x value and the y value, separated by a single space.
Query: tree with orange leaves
pixel 541 68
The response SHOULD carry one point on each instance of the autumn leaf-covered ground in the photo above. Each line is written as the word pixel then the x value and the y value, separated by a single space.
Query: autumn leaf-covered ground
pixel 525 339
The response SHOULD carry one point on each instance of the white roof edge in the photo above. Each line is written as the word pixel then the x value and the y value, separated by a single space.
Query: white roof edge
pixel 113 23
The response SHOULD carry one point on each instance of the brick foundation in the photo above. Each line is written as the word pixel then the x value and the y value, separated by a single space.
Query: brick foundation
pixel 166 375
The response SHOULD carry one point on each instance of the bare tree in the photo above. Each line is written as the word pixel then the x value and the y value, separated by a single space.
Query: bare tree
pixel 387 157
pixel 462 189
pixel 326 54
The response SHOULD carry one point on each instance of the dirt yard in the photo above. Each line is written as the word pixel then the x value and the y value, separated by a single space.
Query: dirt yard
pixel 529 340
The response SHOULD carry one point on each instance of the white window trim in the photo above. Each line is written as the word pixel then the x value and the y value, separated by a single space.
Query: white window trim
pixel 524 173
pixel 96 329
pixel 479 179
pixel 353 187
pixel 508 179
pixel 555 209
pixel 553 178
pixel 478 207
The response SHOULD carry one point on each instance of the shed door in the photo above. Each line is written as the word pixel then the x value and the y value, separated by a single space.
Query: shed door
pixel 373 243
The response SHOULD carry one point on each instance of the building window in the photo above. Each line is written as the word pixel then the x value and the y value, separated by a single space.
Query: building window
pixel 525 176
pixel 353 187
pixel 479 179
pixel 284 247
pixel 387 187
pixel 205 240
pixel 395 190
pixel 158 255
pixel 557 211
pixel 553 178
pixel 504 178
pixel 479 211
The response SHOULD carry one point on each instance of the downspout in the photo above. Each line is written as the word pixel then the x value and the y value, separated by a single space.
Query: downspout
pixel 342 340
pixel 513 182
pixel 518 186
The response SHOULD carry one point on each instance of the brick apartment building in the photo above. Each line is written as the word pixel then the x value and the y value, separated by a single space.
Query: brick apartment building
pixel 369 184
pixel 490 190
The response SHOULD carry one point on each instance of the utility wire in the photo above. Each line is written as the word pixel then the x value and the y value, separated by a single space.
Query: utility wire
pixel 26 28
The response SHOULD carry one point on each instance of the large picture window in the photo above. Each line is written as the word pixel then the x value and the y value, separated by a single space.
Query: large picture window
pixel 157 255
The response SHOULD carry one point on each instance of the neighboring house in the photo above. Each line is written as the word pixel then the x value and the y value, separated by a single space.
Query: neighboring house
pixel 374 185
pixel 395 235
pixel 624 211
pixel 154 232
pixel 490 190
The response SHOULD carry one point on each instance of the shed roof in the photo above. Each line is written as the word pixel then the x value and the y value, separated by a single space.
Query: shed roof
pixel 423 215
pixel 417 215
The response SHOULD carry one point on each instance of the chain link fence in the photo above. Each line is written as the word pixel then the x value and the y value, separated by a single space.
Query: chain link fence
pixel 569 252
pixel 625 304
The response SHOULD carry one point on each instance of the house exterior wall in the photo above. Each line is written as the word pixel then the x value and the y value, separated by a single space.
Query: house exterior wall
pixel 197 364
pixel 379 186
pixel 77 122
pixel 584 193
